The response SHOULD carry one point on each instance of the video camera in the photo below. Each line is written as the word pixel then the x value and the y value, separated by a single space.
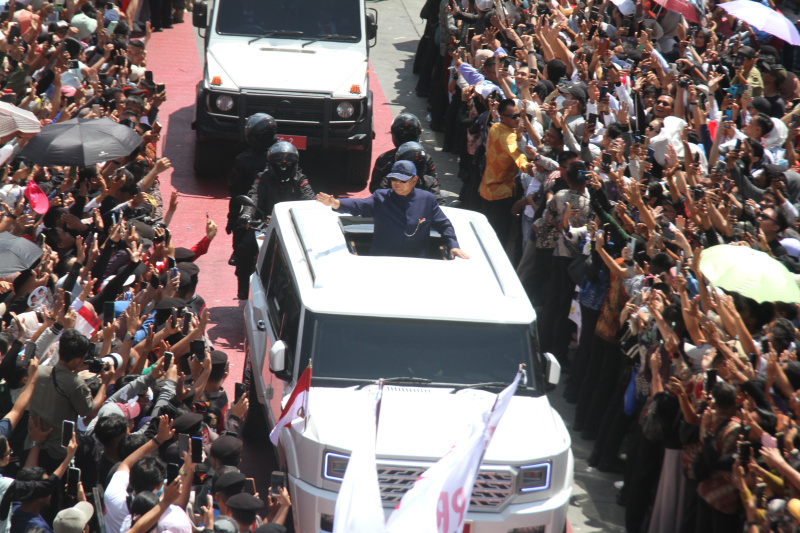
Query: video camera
pixel 98 365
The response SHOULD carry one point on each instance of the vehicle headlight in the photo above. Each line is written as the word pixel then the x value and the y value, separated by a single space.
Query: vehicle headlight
pixel 345 110
pixel 224 102
pixel 534 477
pixel 334 465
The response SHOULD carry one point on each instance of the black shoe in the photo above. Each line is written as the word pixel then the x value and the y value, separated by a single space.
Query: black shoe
pixel 232 260
pixel 436 126
pixel 158 29
pixel 242 297
pixel 612 467
pixel 593 461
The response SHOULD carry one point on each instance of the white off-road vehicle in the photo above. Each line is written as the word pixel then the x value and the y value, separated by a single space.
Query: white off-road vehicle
pixel 305 62
pixel 443 333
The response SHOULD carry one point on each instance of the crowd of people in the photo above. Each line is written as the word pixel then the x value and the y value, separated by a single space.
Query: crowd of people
pixel 114 415
pixel 613 146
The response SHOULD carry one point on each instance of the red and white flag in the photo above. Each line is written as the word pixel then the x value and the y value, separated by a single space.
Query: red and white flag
pixel 358 505
pixel 439 500
pixel 296 407
pixel 86 321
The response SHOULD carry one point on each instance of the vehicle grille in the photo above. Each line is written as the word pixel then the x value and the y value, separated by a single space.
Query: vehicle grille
pixel 490 491
pixel 287 108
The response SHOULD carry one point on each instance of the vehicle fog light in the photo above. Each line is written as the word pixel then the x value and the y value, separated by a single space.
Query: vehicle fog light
pixel 224 102
pixel 345 109
pixel 326 522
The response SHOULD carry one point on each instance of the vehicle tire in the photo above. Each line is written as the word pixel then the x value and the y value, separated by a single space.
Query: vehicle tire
pixel 358 166
pixel 207 159
pixel 255 424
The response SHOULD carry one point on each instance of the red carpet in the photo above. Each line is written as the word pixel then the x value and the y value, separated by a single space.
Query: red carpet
pixel 172 56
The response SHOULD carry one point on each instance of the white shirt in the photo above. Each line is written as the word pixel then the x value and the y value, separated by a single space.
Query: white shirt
pixel 116 501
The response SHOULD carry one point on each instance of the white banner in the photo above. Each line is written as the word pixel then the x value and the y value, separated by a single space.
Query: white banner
pixel 358 505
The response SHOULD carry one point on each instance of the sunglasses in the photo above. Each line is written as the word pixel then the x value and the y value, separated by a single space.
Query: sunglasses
pixel 662 102
pixel 514 116
pixel 763 216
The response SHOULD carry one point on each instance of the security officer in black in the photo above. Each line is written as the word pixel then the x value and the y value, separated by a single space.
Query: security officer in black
pixel 260 133
pixel 405 128
pixel 416 154
pixel 282 181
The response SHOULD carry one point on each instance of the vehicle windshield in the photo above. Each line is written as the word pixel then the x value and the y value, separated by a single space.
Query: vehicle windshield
pixel 313 18
pixel 459 353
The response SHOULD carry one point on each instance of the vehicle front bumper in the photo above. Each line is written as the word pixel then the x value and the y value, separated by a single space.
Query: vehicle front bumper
pixel 324 134
pixel 311 503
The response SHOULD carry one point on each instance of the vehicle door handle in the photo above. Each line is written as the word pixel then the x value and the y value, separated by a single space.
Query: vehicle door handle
pixel 261 325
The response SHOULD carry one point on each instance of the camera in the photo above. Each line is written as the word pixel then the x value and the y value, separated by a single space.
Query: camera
pixel 98 365
pixel 683 82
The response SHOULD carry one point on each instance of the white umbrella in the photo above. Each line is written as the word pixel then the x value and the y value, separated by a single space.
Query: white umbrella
pixel 764 19
pixel 13 118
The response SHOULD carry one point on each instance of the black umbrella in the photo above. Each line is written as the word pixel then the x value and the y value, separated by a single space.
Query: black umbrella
pixel 16 254
pixel 81 142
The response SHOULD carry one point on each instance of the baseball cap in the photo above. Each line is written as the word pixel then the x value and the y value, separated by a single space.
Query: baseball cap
pixel 130 411
pixel 747 52
pixel 573 89
pixel 86 26
pixel 73 519
pixel 225 524
pixel 403 171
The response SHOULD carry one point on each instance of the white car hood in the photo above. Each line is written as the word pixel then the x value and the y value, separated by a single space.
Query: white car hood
pixel 286 66
pixel 423 423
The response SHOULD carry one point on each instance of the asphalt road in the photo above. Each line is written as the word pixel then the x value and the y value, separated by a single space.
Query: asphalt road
pixel 593 507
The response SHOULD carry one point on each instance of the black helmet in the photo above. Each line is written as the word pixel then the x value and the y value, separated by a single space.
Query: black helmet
pixel 414 152
pixel 405 128
pixel 282 158
pixel 260 130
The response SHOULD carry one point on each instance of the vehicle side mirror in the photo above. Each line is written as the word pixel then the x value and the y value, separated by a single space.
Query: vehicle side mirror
pixel 372 25
pixel 552 369
pixel 200 15
pixel 277 357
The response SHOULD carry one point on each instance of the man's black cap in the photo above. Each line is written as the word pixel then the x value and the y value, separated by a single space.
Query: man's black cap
pixel 225 524
pixel 189 268
pixel 144 230
pixel 218 357
pixel 226 448
pixel 183 254
pixel 244 502
pixel 169 303
pixel 746 51
pixel 774 169
pixel 188 423
pixel 229 483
